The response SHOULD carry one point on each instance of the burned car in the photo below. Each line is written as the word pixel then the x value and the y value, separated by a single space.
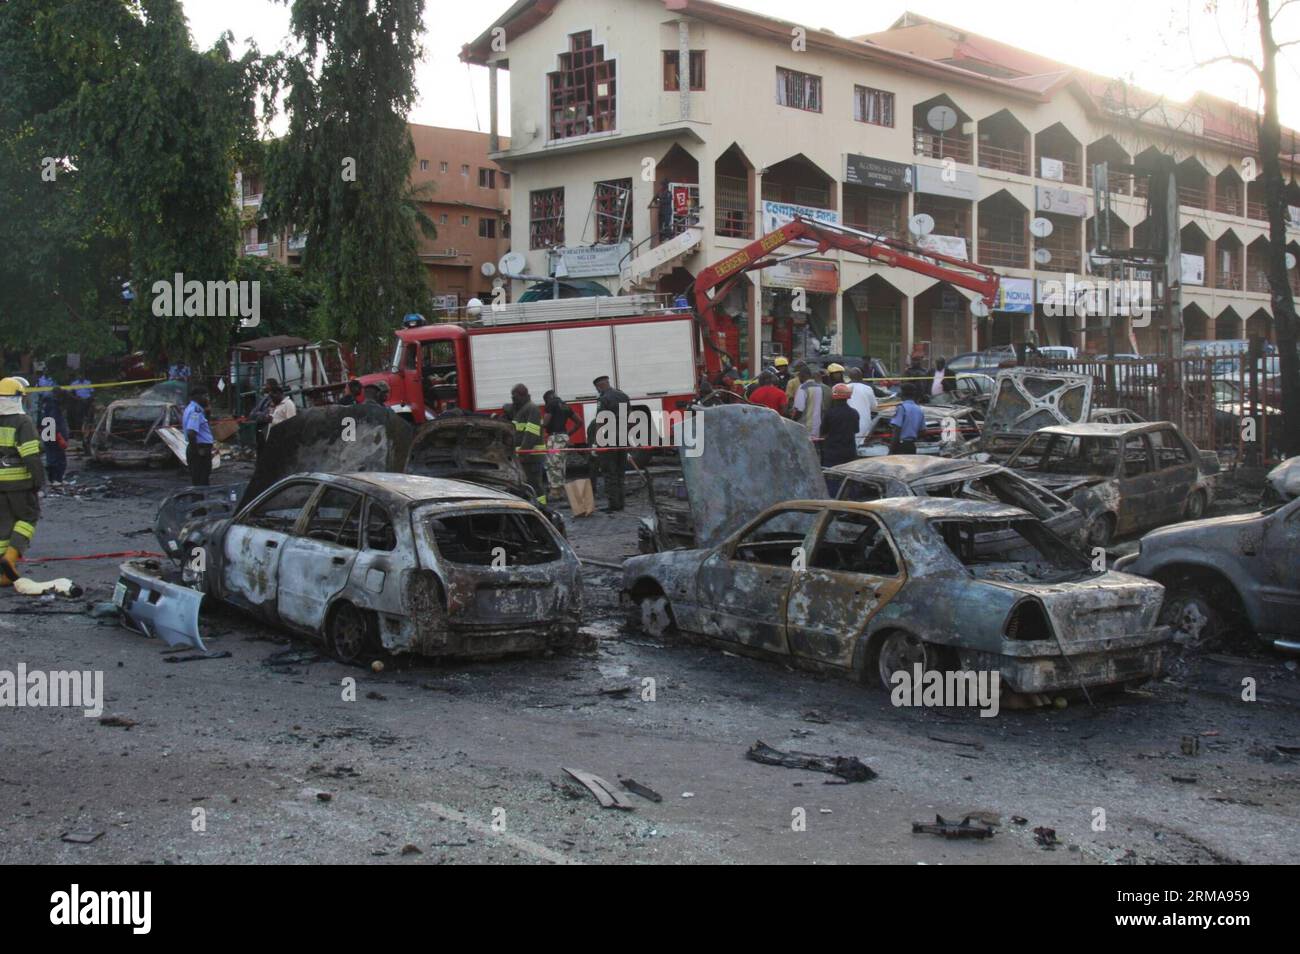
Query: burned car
pixel 910 475
pixel 381 562
pixel 1025 400
pixel 878 588
pixel 1226 573
pixel 1123 477
pixel 129 432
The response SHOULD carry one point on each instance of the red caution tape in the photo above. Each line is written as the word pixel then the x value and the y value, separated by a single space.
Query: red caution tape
pixel 95 556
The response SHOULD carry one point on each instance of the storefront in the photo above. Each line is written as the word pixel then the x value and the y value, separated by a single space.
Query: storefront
pixel 1010 317
pixel 799 308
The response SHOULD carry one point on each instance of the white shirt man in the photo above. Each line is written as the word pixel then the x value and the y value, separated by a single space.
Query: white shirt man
pixel 282 411
pixel 937 387
pixel 863 400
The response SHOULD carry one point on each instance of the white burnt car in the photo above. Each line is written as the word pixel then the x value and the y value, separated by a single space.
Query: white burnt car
pixel 373 562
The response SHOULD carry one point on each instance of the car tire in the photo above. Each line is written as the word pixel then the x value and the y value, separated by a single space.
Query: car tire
pixel 1191 612
pixel 656 615
pixel 899 650
pixel 1101 531
pixel 1195 508
pixel 350 635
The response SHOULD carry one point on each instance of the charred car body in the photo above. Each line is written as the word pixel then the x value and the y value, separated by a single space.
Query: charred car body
pixel 129 431
pixel 1225 572
pixel 1123 477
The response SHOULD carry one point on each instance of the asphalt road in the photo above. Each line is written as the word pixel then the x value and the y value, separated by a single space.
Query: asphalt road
pixel 237 760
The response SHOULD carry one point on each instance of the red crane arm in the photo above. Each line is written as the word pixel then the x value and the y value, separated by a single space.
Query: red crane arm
pixel 721 277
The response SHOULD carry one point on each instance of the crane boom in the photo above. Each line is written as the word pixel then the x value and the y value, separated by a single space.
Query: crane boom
pixel 720 278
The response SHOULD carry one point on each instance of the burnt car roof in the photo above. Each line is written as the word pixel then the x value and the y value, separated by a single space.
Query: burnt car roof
pixel 909 467
pixel 901 509
pixel 1105 430
pixel 412 487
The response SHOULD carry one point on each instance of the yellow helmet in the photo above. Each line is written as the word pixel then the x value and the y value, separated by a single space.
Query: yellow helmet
pixel 781 361
pixel 832 368
pixel 9 387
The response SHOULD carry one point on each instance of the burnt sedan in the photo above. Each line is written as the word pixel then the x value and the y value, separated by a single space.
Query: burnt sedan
pixel 914 475
pixel 1123 477
pixel 375 562
pixel 879 588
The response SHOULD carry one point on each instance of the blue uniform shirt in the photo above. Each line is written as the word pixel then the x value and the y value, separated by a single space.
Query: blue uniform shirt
pixel 910 420
pixel 82 392
pixel 195 420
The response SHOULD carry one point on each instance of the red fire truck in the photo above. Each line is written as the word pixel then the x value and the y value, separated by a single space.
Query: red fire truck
pixel 651 348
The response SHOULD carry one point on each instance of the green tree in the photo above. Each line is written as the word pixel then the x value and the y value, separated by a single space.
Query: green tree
pixel 340 174
pixel 288 299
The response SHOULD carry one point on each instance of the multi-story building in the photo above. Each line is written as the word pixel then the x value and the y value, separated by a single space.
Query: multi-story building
pixel 687 119
pixel 464 192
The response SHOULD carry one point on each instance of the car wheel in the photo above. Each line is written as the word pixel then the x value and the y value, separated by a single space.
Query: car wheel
pixel 900 652
pixel 656 615
pixel 1195 509
pixel 1195 621
pixel 1102 530
pixel 350 635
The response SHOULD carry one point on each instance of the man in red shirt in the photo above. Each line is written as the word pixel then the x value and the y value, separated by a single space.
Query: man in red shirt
pixel 768 394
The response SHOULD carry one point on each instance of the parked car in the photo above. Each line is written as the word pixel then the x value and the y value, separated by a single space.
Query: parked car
pixel 1114 415
pixel 1240 571
pixel 911 475
pixel 1123 477
pixel 896 583
pixel 128 432
pixel 374 562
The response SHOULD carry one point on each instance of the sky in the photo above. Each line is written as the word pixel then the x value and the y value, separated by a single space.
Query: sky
pixel 1155 47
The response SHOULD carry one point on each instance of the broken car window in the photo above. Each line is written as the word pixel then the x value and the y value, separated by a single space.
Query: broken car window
pixel 774 541
pixel 1168 449
pixel 860 491
pixel 337 518
pixel 1136 462
pixel 854 543
pixel 1082 456
pixel 1051 558
pixel 281 510
pixel 494 539
pixel 379 528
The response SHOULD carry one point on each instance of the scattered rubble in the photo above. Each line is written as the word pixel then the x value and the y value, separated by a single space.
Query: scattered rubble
pixel 849 768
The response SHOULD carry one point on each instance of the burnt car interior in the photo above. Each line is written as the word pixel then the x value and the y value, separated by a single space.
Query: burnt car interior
pixel 773 541
pixel 855 543
pixel 337 518
pixel 476 538
pixel 1053 560
pixel 280 511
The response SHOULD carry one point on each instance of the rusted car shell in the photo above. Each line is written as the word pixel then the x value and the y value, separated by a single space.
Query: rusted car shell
pixel 1103 626
pixel 126 433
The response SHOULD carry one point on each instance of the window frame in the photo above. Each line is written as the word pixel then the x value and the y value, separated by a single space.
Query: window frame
pixel 831 516
pixel 672 70
pixel 554 224
pixel 784 74
pixel 862 95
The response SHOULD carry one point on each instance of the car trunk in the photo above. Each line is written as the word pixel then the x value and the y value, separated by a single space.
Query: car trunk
pixel 1027 399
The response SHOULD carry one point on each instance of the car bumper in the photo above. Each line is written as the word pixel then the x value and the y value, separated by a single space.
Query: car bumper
pixel 1035 667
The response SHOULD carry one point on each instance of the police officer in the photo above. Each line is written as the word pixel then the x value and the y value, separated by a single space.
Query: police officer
pixel 21 477
pixel 198 434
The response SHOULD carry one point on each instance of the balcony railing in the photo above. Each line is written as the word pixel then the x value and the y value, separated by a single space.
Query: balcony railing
pixel 1063 260
pixel 1006 254
pixel 734 219
pixel 938 146
pixel 1227 203
pixel 1230 280
pixel 1193 197
pixel 1004 160
pixel 1117 182
pixel 1257 282
pixel 1069 170
pixel 1256 210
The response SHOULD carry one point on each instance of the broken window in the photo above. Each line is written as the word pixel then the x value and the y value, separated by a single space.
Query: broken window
pixel 582 90
pixel 546 218
pixel 1136 461
pixel 1084 457
pixel 1047 556
pixel 875 106
pixel 855 543
pixel 281 510
pixel 336 518
pixel 380 534
pixel 613 211
pixel 1168 449
pixel 774 541
pixel 860 491
pixel 494 539
pixel 672 70
pixel 798 90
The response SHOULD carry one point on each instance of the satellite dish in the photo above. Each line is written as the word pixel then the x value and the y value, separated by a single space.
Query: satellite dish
pixel 512 263
pixel 920 224
pixel 488 269
pixel 1040 227
pixel 474 307
pixel 1290 260
pixel 941 118
pixel 1042 256
pixel 979 309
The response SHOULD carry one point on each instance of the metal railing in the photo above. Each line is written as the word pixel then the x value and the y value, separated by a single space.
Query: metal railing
pixel 1003 159
pixel 1193 197
pixel 733 218
pixel 1229 280
pixel 1256 210
pixel 1064 259
pixel 938 146
pixel 1117 182
pixel 1070 170
pixel 1227 203
pixel 1006 254
pixel 1257 281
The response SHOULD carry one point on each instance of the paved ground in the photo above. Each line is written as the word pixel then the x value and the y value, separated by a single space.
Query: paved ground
pixel 464 762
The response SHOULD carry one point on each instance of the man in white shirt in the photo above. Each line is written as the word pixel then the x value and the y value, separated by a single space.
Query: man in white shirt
pixel 863 400
pixel 282 407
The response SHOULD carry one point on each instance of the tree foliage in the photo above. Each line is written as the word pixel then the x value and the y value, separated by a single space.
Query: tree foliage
pixel 340 174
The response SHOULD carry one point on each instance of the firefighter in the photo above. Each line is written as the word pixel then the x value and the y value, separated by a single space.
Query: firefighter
pixel 528 436
pixel 21 477
pixel 614 462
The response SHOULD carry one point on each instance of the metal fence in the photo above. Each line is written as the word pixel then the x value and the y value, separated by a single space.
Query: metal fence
pixel 1224 402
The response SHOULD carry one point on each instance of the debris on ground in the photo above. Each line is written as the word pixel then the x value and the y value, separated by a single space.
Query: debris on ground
pixel 1046 837
pixel 197 657
pixel 968 827
pixel 636 788
pixel 82 836
pixel 61 586
pixel 291 657
pixel 119 722
pixel 846 767
pixel 606 794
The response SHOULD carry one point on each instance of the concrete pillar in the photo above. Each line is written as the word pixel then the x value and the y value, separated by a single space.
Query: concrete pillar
pixel 494 138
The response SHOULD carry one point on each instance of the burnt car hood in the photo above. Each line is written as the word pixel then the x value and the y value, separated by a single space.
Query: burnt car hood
pixel 1285 479
pixel 1027 399
pixel 466 448
pixel 321 440
pixel 749 459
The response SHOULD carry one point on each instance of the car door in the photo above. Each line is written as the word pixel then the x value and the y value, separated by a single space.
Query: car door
pixel 253 545
pixel 741 587
pixel 1176 474
pixel 852 573
pixel 1137 485
pixel 316 563
pixel 1280 597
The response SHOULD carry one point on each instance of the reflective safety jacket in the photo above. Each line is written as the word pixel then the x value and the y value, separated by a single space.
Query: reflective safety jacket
pixel 528 426
pixel 20 454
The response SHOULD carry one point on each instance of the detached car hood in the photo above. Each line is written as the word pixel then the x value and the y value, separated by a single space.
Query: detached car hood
pixel 466 448
pixel 749 459
pixel 1027 399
